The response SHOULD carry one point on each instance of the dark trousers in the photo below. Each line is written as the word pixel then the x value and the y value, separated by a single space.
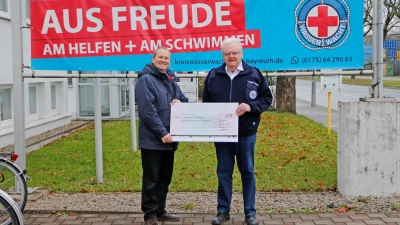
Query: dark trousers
pixel 157 174
pixel 243 151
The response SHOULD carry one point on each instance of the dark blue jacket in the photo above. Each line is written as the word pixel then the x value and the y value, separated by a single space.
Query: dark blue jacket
pixel 154 91
pixel 249 86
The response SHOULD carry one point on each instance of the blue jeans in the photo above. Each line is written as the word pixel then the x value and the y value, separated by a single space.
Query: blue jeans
pixel 244 152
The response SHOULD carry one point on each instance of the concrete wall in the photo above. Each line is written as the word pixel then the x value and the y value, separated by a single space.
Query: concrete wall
pixel 368 149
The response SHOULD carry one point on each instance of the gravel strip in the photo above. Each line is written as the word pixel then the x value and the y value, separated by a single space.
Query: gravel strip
pixel 205 202
pixel 201 202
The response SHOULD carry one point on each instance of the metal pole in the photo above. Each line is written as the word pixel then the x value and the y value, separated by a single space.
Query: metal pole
pixel 329 111
pixel 313 92
pixel 374 47
pixel 278 74
pixel 18 82
pixel 132 105
pixel 378 48
pixel 98 135
pixel 197 89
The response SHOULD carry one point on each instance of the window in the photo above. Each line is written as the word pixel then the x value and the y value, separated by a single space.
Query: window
pixel 4 8
pixel 32 100
pixel 53 97
pixel 28 9
pixel 70 81
pixel 86 97
pixel 3 5
pixel 124 94
pixel 5 104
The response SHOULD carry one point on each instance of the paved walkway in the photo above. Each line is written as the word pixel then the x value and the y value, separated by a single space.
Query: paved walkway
pixel 200 219
pixel 318 113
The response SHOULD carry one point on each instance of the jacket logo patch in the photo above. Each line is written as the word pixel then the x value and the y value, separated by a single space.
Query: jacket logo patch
pixel 253 94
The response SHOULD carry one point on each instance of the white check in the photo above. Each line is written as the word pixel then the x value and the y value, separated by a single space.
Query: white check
pixel 204 122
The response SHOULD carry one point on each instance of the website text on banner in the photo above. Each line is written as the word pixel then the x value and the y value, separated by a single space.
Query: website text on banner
pixel 121 35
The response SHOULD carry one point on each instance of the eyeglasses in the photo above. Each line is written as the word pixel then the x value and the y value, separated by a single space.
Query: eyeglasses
pixel 227 54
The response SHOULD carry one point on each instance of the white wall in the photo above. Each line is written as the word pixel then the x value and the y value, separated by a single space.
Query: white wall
pixel 46 118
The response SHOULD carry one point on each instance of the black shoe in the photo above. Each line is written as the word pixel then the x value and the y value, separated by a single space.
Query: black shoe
pixel 220 218
pixel 251 220
pixel 151 221
pixel 168 217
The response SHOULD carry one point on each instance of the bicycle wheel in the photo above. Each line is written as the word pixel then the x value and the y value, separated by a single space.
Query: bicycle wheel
pixel 13 182
pixel 9 211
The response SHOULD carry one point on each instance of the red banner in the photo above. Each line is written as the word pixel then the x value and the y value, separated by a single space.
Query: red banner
pixel 97 27
pixel 139 44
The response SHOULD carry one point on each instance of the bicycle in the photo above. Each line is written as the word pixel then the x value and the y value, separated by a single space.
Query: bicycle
pixel 13 179
pixel 10 213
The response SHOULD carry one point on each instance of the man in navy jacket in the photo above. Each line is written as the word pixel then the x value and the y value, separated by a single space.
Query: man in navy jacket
pixel 236 81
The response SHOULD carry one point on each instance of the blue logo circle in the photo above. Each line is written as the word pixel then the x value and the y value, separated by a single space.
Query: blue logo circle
pixel 322 24
pixel 253 94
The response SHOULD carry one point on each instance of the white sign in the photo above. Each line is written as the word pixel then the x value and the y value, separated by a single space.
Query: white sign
pixel 331 83
pixel 204 122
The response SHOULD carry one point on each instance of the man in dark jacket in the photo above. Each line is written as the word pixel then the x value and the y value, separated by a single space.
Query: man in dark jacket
pixel 156 90
pixel 236 81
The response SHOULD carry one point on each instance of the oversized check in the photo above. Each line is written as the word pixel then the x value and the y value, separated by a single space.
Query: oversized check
pixel 204 122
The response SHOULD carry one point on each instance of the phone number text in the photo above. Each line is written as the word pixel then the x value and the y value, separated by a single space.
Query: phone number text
pixel 331 59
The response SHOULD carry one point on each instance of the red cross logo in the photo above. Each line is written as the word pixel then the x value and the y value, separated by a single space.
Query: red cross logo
pixel 253 94
pixel 323 21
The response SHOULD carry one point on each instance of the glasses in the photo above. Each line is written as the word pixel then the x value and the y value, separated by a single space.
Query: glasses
pixel 227 54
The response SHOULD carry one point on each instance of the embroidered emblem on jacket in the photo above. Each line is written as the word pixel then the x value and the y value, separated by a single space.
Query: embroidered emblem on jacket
pixel 253 94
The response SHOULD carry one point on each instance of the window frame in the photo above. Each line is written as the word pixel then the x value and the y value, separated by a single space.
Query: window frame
pixel 34 116
pixel 8 122
pixel 27 9
pixel 6 14
pixel 54 95
pixel 105 89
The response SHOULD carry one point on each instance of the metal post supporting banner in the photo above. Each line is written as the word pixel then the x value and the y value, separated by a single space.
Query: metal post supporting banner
pixel 98 130
pixel 313 92
pixel 377 44
pixel 18 83
pixel 329 111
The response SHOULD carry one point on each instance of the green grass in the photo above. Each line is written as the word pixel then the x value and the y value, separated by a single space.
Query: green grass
pixel 360 81
pixel 368 82
pixel 293 153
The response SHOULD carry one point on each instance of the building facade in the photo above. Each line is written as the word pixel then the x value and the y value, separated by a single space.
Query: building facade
pixel 53 102
pixel 49 102
pixel 46 102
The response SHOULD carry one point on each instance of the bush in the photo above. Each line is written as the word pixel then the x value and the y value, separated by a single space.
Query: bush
pixel 200 88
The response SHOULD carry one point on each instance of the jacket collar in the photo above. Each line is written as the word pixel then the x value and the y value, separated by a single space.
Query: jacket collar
pixel 152 70
pixel 246 69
